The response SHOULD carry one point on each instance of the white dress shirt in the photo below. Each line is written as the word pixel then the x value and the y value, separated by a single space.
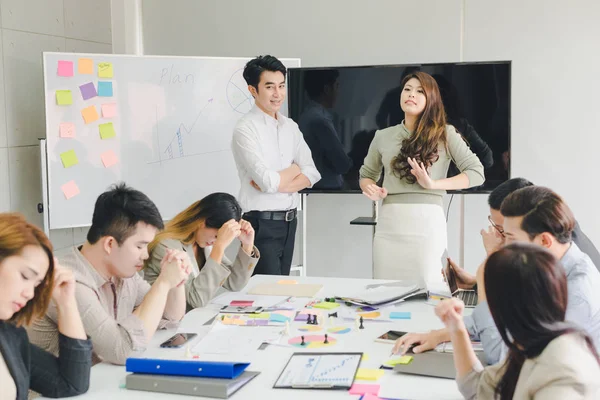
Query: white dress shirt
pixel 262 146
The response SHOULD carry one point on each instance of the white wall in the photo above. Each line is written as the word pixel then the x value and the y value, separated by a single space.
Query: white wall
pixel 554 45
pixel 29 27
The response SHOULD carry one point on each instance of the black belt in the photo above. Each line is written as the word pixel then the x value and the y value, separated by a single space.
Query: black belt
pixel 287 215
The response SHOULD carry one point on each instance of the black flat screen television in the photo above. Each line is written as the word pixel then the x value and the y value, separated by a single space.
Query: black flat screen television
pixel 339 109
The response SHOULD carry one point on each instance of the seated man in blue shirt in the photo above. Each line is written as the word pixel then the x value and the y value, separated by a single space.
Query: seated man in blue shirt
pixel 536 215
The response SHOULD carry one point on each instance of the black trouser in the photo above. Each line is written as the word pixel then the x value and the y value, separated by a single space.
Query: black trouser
pixel 275 241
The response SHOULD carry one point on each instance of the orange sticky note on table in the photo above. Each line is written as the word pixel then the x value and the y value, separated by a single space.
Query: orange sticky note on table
pixel 109 110
pixel 109 158
pixel 90 114
pixel 65 68
pixel 85 66
pixel 67 130
pixel 70 189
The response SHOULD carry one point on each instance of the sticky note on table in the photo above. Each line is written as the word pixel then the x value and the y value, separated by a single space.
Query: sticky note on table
pixel 241 303
pixel 109 158
pixel 399 315
pixel 109 110
pixel 69 158
pixel 105 89
pixel 70 189
pixel 105 70
pixel 67 130
pixel 287 282
pixel 107 131
pixel 365 357
pixel 278 318
pixel 362 388
pixel 64 97
pixel 85 66
pixel 88 91
pixel 263 315
pixel 366 374
pixel 404 360
pixel 369 396
pixel 325 305
pixel 65 68
pixel 90 114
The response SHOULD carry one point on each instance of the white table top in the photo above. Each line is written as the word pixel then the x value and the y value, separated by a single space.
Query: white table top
pixel 107 381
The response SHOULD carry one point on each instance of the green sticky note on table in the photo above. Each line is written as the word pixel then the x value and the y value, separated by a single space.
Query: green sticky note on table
pixel 326 305
pixel 64 97
pixel 366 374
pixel 107 131
pixel 401 360
pixel 263 315
pixel 69 158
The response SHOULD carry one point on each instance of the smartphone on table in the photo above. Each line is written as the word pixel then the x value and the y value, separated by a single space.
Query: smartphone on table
pixel 178 340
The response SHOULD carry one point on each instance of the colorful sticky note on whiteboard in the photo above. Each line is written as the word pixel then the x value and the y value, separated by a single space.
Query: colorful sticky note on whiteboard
pixel 70 189
pixel 88 91
pixel 109 158
pixel 105 89
pixel 109 110
pixel 69 158
pixel 107 131
pixel 65 68
pixel 67 130
pixel 85 66
pixel 105 70
pixel 90 114
pixel 64 97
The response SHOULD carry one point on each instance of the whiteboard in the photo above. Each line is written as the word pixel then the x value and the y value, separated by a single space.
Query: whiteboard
pixel 173 119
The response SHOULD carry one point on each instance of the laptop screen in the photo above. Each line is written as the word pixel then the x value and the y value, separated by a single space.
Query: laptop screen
pixel 449 273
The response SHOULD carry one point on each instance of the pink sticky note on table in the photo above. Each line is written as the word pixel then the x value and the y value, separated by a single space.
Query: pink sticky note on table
pixel 67 130
pixel 65 68
pixel 70 189
pixel 241 303
pixel 109 158
pixel 370 396
pixel 109 110
pixel 361 388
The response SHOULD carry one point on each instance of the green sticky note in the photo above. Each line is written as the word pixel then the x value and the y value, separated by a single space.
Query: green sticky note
pixel 69 158
pixel 402 360
pixel 326 305
pixel 64 97
pixel 264 315
pixel 107 131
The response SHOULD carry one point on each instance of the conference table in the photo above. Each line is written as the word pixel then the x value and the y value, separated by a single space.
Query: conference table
pixel 108 381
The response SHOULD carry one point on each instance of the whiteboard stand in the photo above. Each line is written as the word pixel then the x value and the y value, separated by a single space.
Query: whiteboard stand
pixel 43 206
pixel 301 268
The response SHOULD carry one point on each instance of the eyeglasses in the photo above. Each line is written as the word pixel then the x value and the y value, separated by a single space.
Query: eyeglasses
pixel 496 227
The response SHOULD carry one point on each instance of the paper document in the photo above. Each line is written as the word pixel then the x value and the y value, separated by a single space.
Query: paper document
pixel 236 340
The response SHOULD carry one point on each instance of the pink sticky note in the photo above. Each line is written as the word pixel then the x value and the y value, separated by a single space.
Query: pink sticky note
pixel 70 189
pixel 67 130
pixel 361 388
pixel 65 68
pixel 109 158
pixel 370 396
pixel 109 110
pixel 241 303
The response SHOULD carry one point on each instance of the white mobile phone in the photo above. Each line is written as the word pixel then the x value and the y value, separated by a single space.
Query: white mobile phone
pixel 241 310
pixel 390 337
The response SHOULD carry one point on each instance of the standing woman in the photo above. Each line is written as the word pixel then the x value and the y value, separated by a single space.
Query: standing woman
pixel 415 155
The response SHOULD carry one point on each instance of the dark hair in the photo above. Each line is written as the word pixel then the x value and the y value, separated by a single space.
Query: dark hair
pixel 542 211
pixel 526 290
pixel 117 212
pixel 504 189
pixel 15 234
pixel 214 210
pixel 429 133
pixel 255 67
pixel 316 80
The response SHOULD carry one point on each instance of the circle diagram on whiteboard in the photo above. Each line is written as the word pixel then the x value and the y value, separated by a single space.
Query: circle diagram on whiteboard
pixel 238 96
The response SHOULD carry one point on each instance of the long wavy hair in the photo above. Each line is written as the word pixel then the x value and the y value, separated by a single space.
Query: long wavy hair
pixel 429 133
pixel 526 289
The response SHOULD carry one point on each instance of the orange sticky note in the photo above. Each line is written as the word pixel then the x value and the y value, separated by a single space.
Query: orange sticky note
pixel 85 66
pixel 109 158
pixel 70 189
pixel 109 110
pixel 90 114
pixel 67 130
pixel 65 68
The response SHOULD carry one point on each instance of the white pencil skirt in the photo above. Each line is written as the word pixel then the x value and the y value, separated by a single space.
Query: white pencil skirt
pixel 410 240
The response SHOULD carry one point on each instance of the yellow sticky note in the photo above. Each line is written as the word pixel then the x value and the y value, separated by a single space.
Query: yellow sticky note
pixel 64 97
pixel 69 158
pixel 107 131
pixel 365 357
pixel 90 114
pixel 402 360
pixel 260 316
pixel 325 305
pixel 85 66
pixel 105 70
pixel 366 374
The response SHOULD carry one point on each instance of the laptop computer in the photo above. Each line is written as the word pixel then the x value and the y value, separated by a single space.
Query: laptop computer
pixel 433 363
pixel 469 297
